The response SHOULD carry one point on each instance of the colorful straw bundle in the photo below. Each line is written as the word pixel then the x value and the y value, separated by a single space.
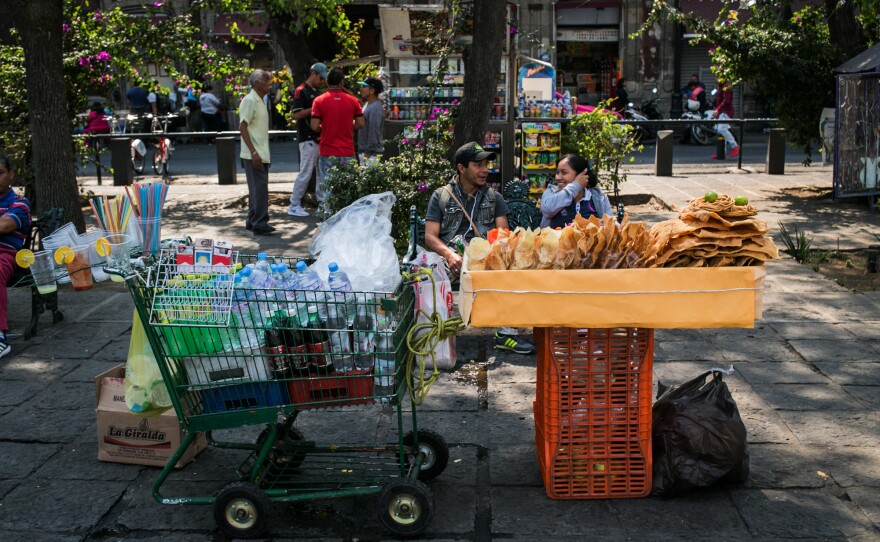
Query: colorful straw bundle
pixel 112 213
pixel 148 200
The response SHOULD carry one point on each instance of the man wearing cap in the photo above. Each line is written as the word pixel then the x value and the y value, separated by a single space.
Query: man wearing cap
pixel 335 115
pixel 370 137
pixel 465 208
pixel 307 138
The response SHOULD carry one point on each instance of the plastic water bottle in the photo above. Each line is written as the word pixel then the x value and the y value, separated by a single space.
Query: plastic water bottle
pixel 339 282
pixel 364 338
pixel 241 314
pixel 262 263
pixel 310 292
pixel 384 380
pixel 340 339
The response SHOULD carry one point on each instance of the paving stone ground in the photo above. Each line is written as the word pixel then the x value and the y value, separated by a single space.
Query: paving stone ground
pixel 806 380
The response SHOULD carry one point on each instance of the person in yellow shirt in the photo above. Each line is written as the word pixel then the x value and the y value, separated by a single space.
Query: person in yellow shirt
pixel 255 159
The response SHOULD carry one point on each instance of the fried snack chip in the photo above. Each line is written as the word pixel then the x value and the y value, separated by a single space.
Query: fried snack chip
pixel 547 244
pixel 723 206
pixel 525 255
pixel 476 252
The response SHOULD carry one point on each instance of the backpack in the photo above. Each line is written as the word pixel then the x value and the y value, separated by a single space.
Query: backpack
pixel 163 104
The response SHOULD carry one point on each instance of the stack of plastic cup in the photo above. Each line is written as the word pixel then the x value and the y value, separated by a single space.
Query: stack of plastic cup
pixel 65 236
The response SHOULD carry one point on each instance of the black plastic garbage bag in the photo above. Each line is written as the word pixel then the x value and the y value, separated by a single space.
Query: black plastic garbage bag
pixel 699 437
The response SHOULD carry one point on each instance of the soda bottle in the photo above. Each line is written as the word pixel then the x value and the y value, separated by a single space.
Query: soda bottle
pixel 339 282
pixel 309 292
pixel 364 338
pixel 297 349
pixel 276 347
pixel 318 342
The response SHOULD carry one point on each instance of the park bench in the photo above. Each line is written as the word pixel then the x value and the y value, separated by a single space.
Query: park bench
pixel 41 226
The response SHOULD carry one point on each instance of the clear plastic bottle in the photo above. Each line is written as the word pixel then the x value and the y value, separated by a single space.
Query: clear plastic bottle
pixel 340 339
pixel 364 338
pixel 310 292
pixel 242 299
pixel 339 282
pixel 383 381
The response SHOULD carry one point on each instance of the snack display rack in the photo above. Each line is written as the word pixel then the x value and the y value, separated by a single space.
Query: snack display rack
pixel 222 376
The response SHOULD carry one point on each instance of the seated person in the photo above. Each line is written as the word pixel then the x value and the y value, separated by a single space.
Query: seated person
pixel 576 191
pixel 465 208
pixel 15 221
pixel 97 123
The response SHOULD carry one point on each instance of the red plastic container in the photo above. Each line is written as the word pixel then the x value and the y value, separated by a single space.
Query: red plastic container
pixel 315 392
pixel 593 412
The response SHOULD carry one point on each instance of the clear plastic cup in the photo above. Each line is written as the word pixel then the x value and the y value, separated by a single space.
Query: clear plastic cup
pixel 80 269
pixel 151 235
pixel 43 271
pixel 119 257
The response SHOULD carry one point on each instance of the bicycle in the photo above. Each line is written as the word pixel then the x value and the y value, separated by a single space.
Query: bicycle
pixel 163 147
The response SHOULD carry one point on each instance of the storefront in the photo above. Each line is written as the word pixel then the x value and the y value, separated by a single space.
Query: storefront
pixel 587 48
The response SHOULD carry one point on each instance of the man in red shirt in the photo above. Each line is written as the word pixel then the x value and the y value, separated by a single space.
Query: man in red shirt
pixel 336 114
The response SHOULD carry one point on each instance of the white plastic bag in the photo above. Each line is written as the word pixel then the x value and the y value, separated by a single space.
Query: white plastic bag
pixel 444 353
pixel 358 238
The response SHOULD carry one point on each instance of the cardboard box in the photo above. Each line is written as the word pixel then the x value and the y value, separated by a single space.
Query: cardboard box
pixel 605 298
pixel 124 437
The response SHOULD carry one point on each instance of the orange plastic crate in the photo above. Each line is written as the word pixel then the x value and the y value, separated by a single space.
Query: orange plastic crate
pixel 593 412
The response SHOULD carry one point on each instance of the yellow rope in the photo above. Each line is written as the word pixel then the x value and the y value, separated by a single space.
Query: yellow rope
pixel 422 340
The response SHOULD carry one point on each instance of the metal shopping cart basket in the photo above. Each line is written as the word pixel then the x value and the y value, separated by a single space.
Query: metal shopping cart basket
pixel 233 357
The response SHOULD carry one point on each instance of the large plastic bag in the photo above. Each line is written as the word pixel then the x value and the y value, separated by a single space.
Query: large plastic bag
pixel 358 238
pixel 444 352
pixel 699 437
pixel 145 391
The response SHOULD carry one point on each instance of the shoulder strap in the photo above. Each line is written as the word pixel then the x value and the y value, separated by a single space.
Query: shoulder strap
pixel 463 210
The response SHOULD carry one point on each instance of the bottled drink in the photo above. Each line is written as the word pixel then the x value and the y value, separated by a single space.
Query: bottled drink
pixel 340 339
pixel 339 282
pixel 241 314
pixel 383 381
pixel 309 286
pixel 318 341
pixel 262 263
pixel 276 347
pixel 364 338
pixel 297 349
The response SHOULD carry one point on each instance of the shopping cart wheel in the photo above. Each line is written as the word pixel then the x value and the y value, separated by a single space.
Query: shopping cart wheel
pixel 286 449
pixel 406 507
pixel 434 450
pixel 242 510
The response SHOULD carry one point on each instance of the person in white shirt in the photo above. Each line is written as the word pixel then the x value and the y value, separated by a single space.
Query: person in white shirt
pixel 209 105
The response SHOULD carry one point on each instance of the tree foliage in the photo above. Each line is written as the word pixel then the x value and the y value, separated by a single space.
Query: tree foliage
pixel 790 57
pixel 605 143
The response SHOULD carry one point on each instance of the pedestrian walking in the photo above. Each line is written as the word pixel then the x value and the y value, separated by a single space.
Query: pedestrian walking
pixel 255 159
pixel 307 138
pixel 210 106
pixel 724 110
pixel 335 116
pixel 370 138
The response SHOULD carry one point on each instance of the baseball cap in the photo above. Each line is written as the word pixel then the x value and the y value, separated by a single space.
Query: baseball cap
pixel 472 152
pixel 373 83
pixel 319 68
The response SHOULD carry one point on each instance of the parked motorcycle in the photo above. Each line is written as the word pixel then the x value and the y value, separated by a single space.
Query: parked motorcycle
pixel 647 111
pixel 703 134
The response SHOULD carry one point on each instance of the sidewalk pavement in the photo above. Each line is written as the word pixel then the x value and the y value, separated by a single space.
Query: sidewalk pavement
pixel 807 383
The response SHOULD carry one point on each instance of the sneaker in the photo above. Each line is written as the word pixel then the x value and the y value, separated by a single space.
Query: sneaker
pixel 734 153
pixel 297 211
pixel 513 343
pixel 713 157
pixel 4 347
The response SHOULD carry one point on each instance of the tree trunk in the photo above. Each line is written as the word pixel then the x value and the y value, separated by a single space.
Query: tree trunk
pixel 482 61
pixel 845 30
pixel 296 50
pixel 39 22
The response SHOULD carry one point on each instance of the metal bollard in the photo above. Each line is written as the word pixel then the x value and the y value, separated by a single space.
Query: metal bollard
pixel 663 155
pixel 120 161
pixel 720 148
pixel 775 163
pixel 226 155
